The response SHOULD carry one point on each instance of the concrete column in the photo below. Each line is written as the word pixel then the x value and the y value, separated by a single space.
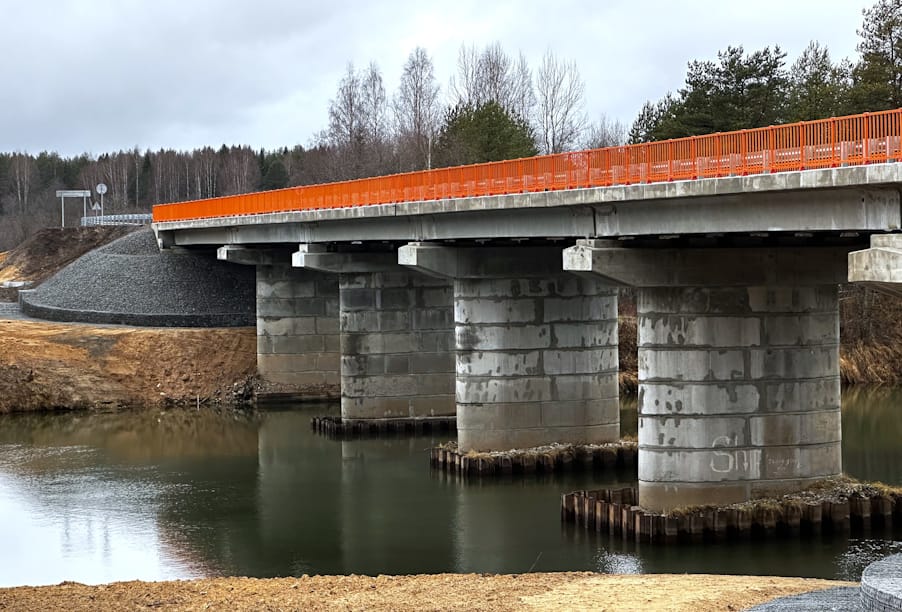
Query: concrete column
pixel 739 393
pixel 297 329
pixel 536 347
pixel 397 356
pixel 738 367
pixel 536 362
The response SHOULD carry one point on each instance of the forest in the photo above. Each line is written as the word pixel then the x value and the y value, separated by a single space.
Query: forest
pixel 495 106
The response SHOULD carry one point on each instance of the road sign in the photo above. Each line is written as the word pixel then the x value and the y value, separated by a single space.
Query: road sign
pixel 95 206
pixel 101 188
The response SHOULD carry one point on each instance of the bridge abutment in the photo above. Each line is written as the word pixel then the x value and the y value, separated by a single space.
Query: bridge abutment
pixel 739 390
pixel 397 335
pixel 536 348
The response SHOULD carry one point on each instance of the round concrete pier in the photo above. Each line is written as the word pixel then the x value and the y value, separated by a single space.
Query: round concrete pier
pixel 739 393
pixel 397 337
pixel 536 361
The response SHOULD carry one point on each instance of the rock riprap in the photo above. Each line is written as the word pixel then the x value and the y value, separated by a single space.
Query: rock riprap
pixel 131 282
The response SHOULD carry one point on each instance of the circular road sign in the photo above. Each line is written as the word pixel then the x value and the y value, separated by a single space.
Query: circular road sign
pixel 101 188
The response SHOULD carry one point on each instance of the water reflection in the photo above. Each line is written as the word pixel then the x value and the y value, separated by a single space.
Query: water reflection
pixel 177 494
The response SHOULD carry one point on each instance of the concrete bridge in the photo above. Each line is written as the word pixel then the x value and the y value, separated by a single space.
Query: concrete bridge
pixel 490 291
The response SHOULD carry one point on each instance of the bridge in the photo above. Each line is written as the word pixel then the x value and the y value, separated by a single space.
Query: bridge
pixel 490 292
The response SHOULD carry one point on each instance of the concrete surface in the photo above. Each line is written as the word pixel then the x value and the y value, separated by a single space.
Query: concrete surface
pixel 830 199
pixel 739 392
pixel 881 585
pixel 297 326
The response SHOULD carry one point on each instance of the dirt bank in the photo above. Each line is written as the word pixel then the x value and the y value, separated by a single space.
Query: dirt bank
pixel 52 365
pixel 562 591
pixel 50 250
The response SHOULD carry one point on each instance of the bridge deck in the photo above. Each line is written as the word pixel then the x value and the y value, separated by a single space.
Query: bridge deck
pixel 837 142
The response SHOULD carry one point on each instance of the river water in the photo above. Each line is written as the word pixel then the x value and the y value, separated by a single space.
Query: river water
pixel 179 494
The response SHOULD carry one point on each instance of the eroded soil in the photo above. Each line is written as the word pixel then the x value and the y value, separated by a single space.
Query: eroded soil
pixel 55 365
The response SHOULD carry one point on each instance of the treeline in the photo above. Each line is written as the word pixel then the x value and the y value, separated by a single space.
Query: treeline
pixel 495 106
pixel 747 90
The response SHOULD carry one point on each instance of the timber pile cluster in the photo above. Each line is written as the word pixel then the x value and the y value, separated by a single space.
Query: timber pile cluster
pixel 336 427
pixel 543 459
pixel 848 507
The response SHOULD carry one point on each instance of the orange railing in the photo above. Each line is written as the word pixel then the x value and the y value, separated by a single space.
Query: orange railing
pixel 826 143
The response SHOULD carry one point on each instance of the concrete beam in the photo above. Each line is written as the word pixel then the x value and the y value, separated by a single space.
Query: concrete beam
pixel 880 266
pixel 809 210
pixel 715 267
pixel 481 262
pixel 249 256
pixel 313 257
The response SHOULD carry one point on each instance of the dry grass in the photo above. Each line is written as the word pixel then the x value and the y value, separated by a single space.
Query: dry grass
pixel 836 488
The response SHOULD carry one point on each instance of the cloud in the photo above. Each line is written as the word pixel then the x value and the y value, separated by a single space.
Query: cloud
pixel 103 75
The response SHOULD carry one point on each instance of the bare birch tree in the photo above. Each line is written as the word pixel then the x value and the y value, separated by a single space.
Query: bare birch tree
pixel 374 117
pixel 560 91
pixel 605 132
pixel 417 111
pixel 23 170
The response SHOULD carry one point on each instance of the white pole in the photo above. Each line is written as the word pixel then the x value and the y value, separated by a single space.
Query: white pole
pixel 62 211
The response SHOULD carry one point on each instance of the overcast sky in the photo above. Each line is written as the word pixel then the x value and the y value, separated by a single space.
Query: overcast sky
pixel 103 75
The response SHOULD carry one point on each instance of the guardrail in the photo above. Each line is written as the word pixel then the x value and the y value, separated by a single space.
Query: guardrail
pixel 133 219
pixel 838 141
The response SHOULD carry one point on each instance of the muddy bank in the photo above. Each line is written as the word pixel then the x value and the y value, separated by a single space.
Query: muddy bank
pixel 559 591
pixel 45 366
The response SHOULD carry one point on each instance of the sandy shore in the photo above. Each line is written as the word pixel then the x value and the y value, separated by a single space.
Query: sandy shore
pixel 553 591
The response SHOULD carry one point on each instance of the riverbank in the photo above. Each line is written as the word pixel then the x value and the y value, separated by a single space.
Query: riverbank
pixel 47 366
pixel 491 592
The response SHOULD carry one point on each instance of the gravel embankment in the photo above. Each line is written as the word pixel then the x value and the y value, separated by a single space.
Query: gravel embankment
pixel 131 282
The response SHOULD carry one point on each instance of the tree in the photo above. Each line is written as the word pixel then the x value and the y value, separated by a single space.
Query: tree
pixel 647 125
pixel 492 76
pixel 374 118
pixel 416 111
pixel 560 91
pixel 346 130
pixel 604 133
pixel 817 88
pixel 738 91
pixel 878 74
pixel 482 134
pixel 276 176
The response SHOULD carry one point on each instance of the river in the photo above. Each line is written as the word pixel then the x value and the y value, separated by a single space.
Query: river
pixel 151 495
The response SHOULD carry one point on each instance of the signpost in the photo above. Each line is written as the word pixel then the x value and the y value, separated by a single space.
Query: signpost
pixel 72 193
pixel 101 189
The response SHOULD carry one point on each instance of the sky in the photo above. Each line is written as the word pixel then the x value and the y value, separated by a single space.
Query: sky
pixel 97 76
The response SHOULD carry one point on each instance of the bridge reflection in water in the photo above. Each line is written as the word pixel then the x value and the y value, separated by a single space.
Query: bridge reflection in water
pixel 104 497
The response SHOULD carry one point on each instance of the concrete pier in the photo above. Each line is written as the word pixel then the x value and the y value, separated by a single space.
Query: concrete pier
pixel 297 328
pixel 739 392
pixel 397 335
pixel 536 348
pixel 397 354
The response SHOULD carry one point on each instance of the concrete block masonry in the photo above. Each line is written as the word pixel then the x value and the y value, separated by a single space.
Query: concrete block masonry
pixel 536 348
pixel 297 328
pixel 520 383
pixel 738 445
pixel 395 345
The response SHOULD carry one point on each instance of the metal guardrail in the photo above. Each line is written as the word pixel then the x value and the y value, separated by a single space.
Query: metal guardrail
pixel 133 219
pixel 838 141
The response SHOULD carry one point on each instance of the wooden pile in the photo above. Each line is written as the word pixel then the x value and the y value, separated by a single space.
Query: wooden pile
pixel 559 458
pixel 614 511
pixel 335 427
